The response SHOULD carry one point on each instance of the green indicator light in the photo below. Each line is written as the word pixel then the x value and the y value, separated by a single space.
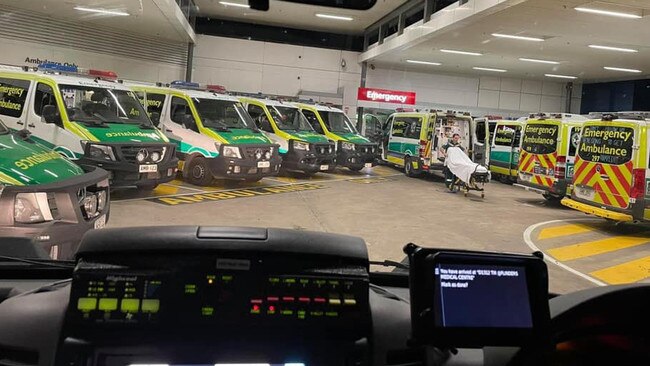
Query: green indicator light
pixel 274 280
pixel 316 313
pixel 86 303
pixel 334 283
pixel 320 282
pixel 130 305
pixel 150 305
pixel 155 282
pixel 226 278
pixel 108 304
pixel 289 280
pixel 304 281
pixel 301 314
pixel 332 313
pixel 207 311
pixel 286 312
pixel 190 289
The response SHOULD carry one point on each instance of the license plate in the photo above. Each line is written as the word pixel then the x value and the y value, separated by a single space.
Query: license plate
pixel 368 165
pixel 100 223
pixel 149 168
pixel 585 193
pixel 324 167
pixel 263 164
pixel 539 170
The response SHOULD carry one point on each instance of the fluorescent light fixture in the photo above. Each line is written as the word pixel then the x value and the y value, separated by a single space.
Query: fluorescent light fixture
pixel 489 69
pixel 608 12
pixel 462 52
pixel 424 62
pixel 102 11
pixel 521 38
pixel 635 71
pixel 335 17
pixel 608 48
pixel 560 76
pixel 538 61
pixel 236 5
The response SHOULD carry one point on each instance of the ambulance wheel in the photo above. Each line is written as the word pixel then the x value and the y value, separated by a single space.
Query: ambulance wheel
pixel 551 198
pixel 197 172
pixel 408 168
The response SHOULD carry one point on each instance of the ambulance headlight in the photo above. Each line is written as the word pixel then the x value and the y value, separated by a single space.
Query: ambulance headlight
pixel 267 155
pixel 30 208
pixel 90 205
pixel 101 200
pixel 347 146
pixel 300 145
pixel 101 152
pixel 231 152
pixel 155 156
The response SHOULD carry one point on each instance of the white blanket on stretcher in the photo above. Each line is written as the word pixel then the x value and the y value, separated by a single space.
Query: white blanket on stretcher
pixel 461 165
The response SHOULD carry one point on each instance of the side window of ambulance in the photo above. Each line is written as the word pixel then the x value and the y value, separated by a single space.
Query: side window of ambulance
pixel 13 94
pixel 399 127
pixel 414 128
pixel 259 115
pixel 480 132
pixel 313 120
pixel 574 140
pixel 182 114
pixel 44 96
pixel 155 103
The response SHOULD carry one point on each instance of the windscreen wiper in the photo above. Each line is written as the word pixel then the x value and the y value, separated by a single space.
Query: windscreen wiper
pixel 38 262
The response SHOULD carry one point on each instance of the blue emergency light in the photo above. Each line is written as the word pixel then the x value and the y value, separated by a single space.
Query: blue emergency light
pixel 184 84
pixel 50 66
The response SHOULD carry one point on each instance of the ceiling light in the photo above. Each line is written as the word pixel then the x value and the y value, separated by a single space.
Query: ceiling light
pixel 521 38
pixel 608 12
pixel 622 69
pixel 538 61
pixel 489 69
pixel 236 5
pixel 462 52
pixel 102 11
pixel 335 17
pixel 619 49
pixel 560 76
pixel 423 62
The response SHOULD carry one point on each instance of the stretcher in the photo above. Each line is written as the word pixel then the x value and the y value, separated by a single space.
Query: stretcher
pixel 468 175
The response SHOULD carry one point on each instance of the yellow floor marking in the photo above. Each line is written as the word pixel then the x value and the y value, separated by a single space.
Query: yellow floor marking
pixel 165 189
pixel 590 248
pixel 628 272
pixel 563 230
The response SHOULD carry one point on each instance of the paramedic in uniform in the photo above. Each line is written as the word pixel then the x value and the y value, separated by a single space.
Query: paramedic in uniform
pixel 454 141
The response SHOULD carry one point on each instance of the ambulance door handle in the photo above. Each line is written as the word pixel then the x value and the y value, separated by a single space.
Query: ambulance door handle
pixel 604 177
pixel 19 123
pixel 168 130
pixel 31 125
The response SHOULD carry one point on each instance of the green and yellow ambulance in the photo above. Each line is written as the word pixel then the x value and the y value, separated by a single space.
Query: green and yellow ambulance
pixel 612 176
pixel 302 149
pixel 414 140
pixel 504 150
pixel 214 135
pixel 548 150
pixel 90 118
pixel 352 150
pixel 46 197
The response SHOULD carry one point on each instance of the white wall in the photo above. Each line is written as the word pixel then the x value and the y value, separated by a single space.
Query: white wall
pixel 479 95
pixel 16 52
pixel 277 69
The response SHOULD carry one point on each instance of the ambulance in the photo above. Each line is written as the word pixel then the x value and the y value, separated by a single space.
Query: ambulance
pixel 504 150
pixel 414 139
pixel 482 125
pixel 353 151
pixel 44 196
pixel 548 150
pixel 90 118
pixel 301 148
pixel 214 136
pixel 611 177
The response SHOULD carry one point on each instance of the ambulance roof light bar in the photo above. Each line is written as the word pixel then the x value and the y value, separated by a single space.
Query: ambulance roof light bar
pixel 72 69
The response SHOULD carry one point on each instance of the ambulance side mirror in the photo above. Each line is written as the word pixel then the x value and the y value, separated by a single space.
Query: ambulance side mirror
pixel 51 114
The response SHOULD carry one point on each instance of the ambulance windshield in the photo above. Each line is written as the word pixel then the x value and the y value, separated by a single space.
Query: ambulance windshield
pixel 337 122
pixel 88 104
pixel 223 114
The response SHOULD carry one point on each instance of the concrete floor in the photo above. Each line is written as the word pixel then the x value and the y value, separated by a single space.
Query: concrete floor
pixel 384 207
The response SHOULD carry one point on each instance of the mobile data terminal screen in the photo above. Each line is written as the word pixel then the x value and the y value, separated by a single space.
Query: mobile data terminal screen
pixel 473 299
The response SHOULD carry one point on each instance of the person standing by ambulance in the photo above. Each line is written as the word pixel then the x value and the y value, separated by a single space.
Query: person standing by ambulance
pixel 454 141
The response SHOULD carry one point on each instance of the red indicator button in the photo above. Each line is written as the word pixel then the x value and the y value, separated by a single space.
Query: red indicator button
pixel 271 309
pixel 304 299
pixel 288 298
pixel 256 308
pixel 272 298
pixel 319 299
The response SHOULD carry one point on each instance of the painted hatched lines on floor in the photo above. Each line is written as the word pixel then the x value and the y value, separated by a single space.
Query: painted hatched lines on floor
pixel 601 252
pixel 596 247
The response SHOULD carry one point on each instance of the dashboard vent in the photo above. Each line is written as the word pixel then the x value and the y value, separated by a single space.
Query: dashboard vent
pixel 10 356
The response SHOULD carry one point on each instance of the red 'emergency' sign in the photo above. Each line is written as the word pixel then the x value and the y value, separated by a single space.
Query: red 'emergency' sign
pixel 386 96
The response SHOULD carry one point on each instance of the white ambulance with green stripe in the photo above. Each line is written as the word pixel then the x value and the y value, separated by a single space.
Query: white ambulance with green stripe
pixel 45 197
pixel 214 136
pixel 89 118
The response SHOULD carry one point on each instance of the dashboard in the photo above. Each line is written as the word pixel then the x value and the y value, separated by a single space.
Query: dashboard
pixel 175 296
